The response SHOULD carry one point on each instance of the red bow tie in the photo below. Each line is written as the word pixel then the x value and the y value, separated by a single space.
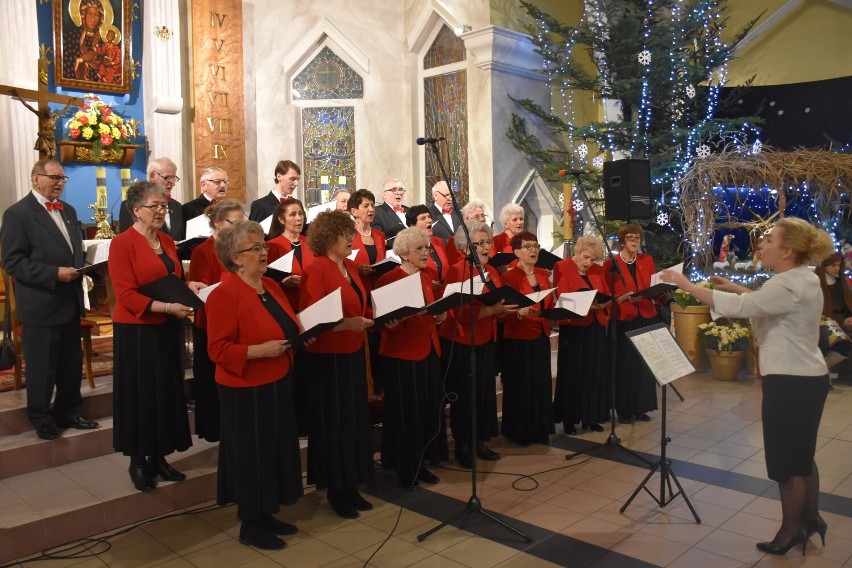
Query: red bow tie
pixel 446 210
pixel 215 201
pixel 399 209
pixel 54 205
pixel 283 199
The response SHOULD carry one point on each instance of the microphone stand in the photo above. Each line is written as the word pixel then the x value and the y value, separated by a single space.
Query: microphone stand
pixel 612 441
pixel 474 503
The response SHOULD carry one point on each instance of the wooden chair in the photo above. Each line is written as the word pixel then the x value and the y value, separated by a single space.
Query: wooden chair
pixel 85 336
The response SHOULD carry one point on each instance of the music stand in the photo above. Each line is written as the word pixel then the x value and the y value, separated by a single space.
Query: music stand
pixel 667 361
pixel 474 503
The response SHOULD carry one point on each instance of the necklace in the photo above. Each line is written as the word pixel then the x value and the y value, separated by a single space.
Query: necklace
pixel 155 247
pixel 262 296
pixel 625 260
pixel 368 233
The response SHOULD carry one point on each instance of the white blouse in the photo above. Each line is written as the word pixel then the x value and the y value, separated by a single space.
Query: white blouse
pixel 785 314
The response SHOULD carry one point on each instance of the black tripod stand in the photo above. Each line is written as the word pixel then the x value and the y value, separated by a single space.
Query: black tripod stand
pixel 474 504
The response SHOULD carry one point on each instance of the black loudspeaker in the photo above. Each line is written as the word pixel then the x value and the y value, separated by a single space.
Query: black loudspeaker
pixel 627 189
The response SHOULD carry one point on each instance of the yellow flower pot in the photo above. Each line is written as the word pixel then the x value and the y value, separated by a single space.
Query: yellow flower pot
pixel 725 365
pixel 686 321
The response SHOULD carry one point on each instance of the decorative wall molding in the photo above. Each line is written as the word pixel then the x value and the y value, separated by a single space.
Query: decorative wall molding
pixel 499 49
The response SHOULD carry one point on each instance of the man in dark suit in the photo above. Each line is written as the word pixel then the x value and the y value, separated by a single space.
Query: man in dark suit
pixel 444 219
pixel 161 171
pixel 287 176
pixel 214 185
pixel 390 215
pixel 42 245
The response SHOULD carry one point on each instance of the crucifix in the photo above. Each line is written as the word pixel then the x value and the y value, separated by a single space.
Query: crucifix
pixel 46 141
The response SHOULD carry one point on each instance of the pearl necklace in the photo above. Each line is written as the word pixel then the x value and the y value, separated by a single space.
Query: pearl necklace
pixel 154 247
pixel 625 260
pixel 363 234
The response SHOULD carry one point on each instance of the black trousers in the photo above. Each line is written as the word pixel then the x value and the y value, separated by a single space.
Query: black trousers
pixel 54 360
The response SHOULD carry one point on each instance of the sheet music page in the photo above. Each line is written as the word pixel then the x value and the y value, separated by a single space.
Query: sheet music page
pixel 266 225
pixel 390 258
pixel 204 293
pixel 539 296
pixel 317 209
pixel 98 251
pixel 578 302
pixel 198 227
pixel 405 292
pixel 353 255
pixel 655 278
pixel 464 287
pixel 329 308
pixel 662 355
pixel 284 263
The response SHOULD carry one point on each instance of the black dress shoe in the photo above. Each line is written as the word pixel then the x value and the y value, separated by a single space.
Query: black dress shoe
pixel 47 432
pixel 464 456
pixel 801 537
pixel 357 501
pixel 275 526
pixel 412 485
pixel 643 417
pixel 341 505
pixel 596 428
pixel 816 525
pixel 626 419
pixel 570 430
pixel 486 453
pixel 140 477
pixel 159 466
pixel 79 424
pixel 427 476
pixel 255 533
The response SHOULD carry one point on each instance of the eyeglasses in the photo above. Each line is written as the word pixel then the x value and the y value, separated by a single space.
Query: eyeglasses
pixel 531 247
pixel 55 178
pixel 348 235
pixel 483 244
pixel 256 249
pixel 169 179
pixel 214 181
pixel 396 190
pixel 156 207
pixel 231 222
pixel 633 238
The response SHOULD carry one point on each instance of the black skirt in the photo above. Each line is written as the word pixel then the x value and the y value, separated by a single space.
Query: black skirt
pixel 582 375
pixel 527 389
pixel 791 411
pixel 635 385
pixel 414 428
pixel 455 361
pixel 149 402
pixel 206 395
pixel 259 465
pixel 339 449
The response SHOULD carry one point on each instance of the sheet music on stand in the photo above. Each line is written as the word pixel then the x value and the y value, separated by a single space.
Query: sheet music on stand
pixel 661 353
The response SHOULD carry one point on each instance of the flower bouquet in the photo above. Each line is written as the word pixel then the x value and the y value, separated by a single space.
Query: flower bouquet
pixel 97 123
pixel 724 338
pixel 685 299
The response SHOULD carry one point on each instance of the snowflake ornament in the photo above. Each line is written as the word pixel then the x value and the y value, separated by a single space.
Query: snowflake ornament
pixel 676 187
pixel 645 57
pixel 663 219
pixel 781 112
pixel 561 200
pixel 703 151
pixel 578 205
pixel 756 147
pixel 807 110
pixel 582 151
pixel 690 91
pixel 772 103
pixel 598 162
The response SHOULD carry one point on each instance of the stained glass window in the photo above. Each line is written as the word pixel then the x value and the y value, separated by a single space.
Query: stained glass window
pixel 447 48
pixel 328 151
pixel 445 98
pixel 327 77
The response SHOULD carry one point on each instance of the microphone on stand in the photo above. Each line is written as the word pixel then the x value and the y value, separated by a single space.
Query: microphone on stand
pixel 421 141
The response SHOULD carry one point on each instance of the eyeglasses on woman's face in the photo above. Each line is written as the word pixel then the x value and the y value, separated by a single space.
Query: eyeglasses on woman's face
pixel 155 207
pixel 347 235
pixel 256 249
pixel 531 247
pixel 483 243
pixel 633 238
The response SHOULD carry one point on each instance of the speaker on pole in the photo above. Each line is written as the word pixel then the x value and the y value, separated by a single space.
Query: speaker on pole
pixel 627 189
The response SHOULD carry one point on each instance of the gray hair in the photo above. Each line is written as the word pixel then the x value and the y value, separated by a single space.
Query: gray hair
pixel 472 227
pixel 231 239
pixel 219 212
pixel 508 210
pixel 139 192
pixel 470 207
pixel 591 244
pixel 407 239
pixel 205 175
pixel 157 164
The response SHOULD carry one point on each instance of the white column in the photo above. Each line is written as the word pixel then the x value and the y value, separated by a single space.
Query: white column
pixel 162 65
pixel 19 51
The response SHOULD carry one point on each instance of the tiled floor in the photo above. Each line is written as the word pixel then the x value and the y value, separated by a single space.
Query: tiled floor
pixel 569 508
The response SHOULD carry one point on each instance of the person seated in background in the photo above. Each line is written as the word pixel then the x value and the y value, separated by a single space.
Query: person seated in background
pixel 837 306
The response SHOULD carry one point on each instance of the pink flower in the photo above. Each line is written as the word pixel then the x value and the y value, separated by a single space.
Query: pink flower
pixel 74 133
pixel 106 139
pixel 83 120
pixel 106 111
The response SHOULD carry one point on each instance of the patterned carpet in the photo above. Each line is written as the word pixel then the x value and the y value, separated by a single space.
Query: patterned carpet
pixel 101 363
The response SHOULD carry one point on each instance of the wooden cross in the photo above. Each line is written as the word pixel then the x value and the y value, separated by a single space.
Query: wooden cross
pixel 46 141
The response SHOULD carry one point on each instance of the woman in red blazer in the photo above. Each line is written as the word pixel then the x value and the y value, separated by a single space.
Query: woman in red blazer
pixel 512 219
pixel 250 323
pixel 413 388
pixel 456 345
pixel 437 263
pixel 635 386
pixel 149 405
pixel 582 369
pixel 526 377
pixel 205 267
pixel 369 242
pixel 339 451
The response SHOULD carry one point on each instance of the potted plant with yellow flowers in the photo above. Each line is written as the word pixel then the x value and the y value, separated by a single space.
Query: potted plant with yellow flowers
pixel 688 313
pixel 97 134
pixel 726 346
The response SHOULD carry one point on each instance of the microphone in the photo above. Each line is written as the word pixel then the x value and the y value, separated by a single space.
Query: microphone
pixel 563 173
pixel 421 141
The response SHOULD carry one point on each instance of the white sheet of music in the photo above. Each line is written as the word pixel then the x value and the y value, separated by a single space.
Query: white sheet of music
pixel 97 251
pixel 662 355
pixel 266 225
pixel 578 302
pixel 539 296
pixel 329 308
pixel 353 254
pixel 390 257
pixel 284 263
pixel 317 209
pixel 198 227
pixel 464 287
pixel 405 292
pixel 204 293
pixel 655 278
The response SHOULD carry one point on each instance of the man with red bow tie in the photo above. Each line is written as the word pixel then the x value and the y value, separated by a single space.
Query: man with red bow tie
pixel 42 247
pixel 390 215
pixel 444 219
